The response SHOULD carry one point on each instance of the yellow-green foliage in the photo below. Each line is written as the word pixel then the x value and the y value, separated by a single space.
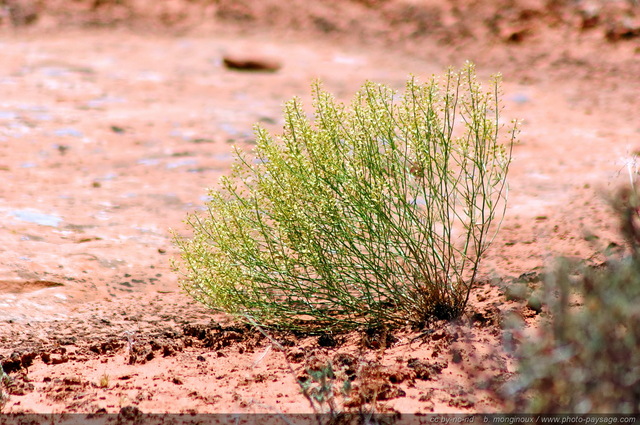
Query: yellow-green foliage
pixel 376 213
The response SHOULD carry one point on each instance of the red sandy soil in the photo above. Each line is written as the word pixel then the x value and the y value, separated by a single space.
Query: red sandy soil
pixel 115 118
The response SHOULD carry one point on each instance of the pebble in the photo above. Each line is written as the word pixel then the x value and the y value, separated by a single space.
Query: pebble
pixel 37 217
pixel 68 132
pixel 251 63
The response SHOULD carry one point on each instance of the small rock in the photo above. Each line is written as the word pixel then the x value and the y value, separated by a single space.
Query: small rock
pixel 295 356
pixel 389 392
pixel 486 317
pixel 438 335
pixel 129 413
pixel 515 34
pixel 516 292
pixel 535 302
pixel 74 380
pixel 20 387
pixel 398 375
pixel 327 340
pixel 21 12
pixel 520 98
pixel 59 359
pixel 625 30
pixel 251 63
pixel 68 132
pixel 589 17
pixel 424 370
pixel 462 401
pixel 168 350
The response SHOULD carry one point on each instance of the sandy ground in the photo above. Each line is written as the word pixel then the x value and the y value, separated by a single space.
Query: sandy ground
pixel 110 136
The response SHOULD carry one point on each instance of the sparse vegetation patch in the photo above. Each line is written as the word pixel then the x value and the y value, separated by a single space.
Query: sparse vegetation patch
pixel 585 358
pixel 377 213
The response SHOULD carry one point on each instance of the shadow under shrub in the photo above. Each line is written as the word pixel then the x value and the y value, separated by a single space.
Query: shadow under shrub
pixel 586 358
pixel 374 214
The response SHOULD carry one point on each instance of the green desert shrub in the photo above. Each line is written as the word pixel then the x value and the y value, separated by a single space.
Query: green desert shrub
pixel 372 214
pixel 5 381
pixel 586 357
